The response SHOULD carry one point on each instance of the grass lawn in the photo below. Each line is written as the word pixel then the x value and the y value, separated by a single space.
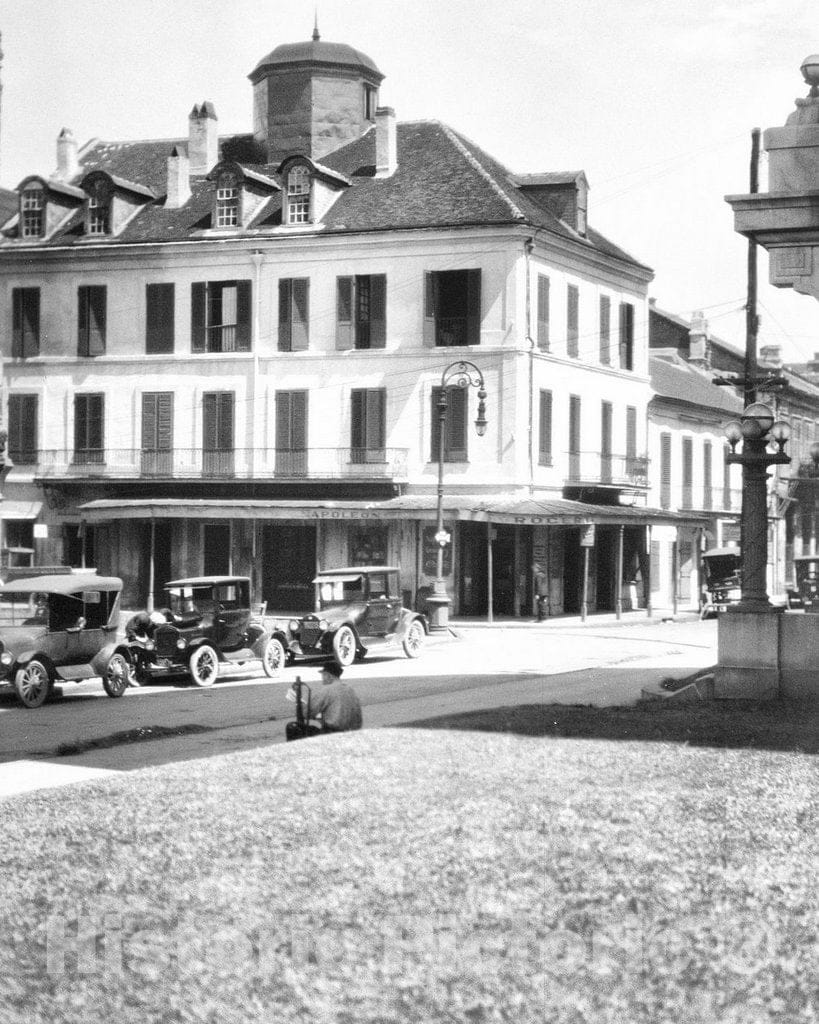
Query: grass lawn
pixel 422 875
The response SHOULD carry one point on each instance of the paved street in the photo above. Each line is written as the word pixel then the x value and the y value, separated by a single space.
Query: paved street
pixel 600 663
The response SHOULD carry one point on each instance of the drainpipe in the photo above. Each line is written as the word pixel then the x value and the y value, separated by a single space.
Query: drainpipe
pixel 528 247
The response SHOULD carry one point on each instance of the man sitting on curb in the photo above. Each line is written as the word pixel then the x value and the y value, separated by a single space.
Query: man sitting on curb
pixel 336 704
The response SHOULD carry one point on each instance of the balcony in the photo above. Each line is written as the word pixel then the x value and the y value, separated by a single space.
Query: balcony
pixel 687 498
pixel 221 464
pixel 595 469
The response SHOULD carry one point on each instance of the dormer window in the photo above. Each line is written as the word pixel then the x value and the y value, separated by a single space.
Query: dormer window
pixel 370 101
pixel 227 201
pixel 32 208
pixel 298 195
pixel 98 221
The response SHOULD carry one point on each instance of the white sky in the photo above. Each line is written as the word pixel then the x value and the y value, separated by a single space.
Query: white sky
pixel 654 99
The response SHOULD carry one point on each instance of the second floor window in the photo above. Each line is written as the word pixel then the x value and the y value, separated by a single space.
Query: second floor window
pixel 220 316
pixel 91 317
pixel 32 212
pixel 227 201
pixel 452 308
pixel 545 429
pixel 687 472
pixel 707 474
pixel 368 424
pixel 298 195
pixel 291 432
pixel 294 313
pixel 22 439
pixel 361 311
pixel 455 425
pixel 89 436
pixel 159 318
pixel 157 431
pixel 25 327
pixel 217 432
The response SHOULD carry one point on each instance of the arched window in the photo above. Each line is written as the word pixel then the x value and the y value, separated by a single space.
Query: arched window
pixel 32 207
pixel 227 200
pixel 298 195
pixel 99 208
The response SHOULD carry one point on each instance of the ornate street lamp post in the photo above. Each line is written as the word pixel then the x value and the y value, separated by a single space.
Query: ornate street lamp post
pixel 756 429
pixel 462 374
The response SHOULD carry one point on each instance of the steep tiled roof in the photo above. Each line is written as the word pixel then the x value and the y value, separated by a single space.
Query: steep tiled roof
pixel 672 378
pixel 442 180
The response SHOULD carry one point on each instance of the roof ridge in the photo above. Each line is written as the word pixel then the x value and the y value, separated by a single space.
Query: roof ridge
pixel 478 166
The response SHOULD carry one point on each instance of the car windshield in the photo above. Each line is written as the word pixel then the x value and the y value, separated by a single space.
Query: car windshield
pixel 56 611
pixel 340 590
pixel 23 609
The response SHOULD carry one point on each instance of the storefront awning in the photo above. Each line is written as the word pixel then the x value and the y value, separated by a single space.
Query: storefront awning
pixel 19 509
pixel 497 508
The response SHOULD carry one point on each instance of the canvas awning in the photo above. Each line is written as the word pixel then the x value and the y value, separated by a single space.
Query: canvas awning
pixel 496 508
pixel 10 509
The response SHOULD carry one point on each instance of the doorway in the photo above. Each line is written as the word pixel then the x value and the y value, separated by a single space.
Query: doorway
pixel 288 566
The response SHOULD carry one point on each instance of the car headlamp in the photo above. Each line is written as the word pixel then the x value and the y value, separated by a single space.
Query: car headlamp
pixel 293 625
pixel 324 625
pixel 6 658
pixel 181 644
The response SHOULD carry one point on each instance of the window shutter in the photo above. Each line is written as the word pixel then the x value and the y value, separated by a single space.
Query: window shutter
pixel 430 311
pixel 285 333
pixel 301 314
pixel 209 421
pixel 358 419
pixel 631 431
pixel 17 323
pixel 543 312
pixel 243 316
pixel 224 439
pixel 572 320
pixel 473 308
pixel 344 312
pixel 164 425
pixel 605 428
pixel 545 428
pixel 299 420
pixel 378 311
pixel 665 470
pixel 626 336
pixel 22 425
pixel 199 291
pixel 654 567
pixel 283 437
pixel 435 432
pixel 149 422
pixel 82 321
pixel 605 330
pixel 25 338
pixel 574 423
pixel 159 318
pixel 95 422
pixel 456 424
pixel 376 418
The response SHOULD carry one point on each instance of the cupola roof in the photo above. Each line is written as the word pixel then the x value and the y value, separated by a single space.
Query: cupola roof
pixel 316 51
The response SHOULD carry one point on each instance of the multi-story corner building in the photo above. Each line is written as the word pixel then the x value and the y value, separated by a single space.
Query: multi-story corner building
pixel 223 353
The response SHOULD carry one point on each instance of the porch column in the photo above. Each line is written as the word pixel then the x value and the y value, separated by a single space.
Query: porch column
pixel 489 581
pixel 151 566
pixel 584 601
pixel 648 584
pixel 618 587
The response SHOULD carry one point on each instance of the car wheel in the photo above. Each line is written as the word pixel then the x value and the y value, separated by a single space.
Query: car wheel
pixel 413 642
pixel 117 676
pixel 204 665
pixel 33 684
pixel 273 657
pixel 344 646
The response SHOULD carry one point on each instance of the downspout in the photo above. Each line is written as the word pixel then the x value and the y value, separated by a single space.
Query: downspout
pixel 258 257
pixel 528 247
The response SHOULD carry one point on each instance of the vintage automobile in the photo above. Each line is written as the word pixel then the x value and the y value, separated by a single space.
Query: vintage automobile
pixel 806 593
pixel 722 571
pixel 61 627
pixel 360 610
pixel 207 622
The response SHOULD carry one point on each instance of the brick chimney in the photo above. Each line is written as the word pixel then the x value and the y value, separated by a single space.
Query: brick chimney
pixel 699 348
pixel 179 185
pixel 203 138
pixel 386 143
pixel 68 164
pixel 771 355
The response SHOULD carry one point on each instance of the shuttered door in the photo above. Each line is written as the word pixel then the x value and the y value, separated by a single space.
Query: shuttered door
pixel 159 318
pixel 217 426
pixel 22 440
pixel 543 286
pixel 665 470
pixel 291 433
pixel 157 433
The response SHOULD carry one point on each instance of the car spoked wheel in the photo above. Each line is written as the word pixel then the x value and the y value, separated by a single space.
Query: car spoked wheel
pixel 117 676
pixel 274 657
pixel 33 684
pixel 204 665
pixel 344 646
pixel 413 642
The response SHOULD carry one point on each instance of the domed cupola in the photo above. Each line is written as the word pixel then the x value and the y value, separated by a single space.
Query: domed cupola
pixel 312 98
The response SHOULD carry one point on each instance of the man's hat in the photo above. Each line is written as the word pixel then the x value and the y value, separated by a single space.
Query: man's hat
pixel 333 669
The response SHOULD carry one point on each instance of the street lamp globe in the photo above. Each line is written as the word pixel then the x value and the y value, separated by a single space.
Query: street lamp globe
pixel 481 421
pixel 733 433
pixel 756 421
pixel 780 432
pixel 810 72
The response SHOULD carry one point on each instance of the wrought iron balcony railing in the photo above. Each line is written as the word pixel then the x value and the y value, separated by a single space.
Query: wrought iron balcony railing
pixel 207 464
pixel 600 468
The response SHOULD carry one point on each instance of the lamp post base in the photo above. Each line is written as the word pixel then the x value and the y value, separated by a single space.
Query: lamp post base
pixel 438 607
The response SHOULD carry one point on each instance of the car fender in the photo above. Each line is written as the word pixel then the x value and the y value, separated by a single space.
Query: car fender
pixel 406 620
pixel 26 656
pixel 260 643
pixel 254 633
pixel 198 642
pixel 99 663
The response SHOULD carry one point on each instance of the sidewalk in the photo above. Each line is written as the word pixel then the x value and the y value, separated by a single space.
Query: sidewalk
pixel 593 619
